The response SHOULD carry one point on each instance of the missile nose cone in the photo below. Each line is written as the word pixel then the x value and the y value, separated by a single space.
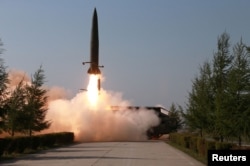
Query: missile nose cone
pixel 95 15
pixel 95 10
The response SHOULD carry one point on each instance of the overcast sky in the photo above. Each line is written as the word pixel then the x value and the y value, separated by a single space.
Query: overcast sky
pixel 151 50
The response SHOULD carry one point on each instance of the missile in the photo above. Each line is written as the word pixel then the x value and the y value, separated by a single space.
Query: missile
pixel 94 47
pixel 94 50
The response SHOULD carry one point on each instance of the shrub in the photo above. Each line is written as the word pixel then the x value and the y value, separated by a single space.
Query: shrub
pixel 64 138
pixel 223 146
pixel 34 142
pixel 21 144
pixel 173 137
pixel 2 146
pixel 11 145
pixel 201 148
pixel 186 141
pixel 47 140
pixel 193 144
pixel 210 145
pixel 197 144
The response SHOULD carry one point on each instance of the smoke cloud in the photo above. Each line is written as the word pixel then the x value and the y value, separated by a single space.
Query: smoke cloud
pixel 99 122
pixel 92 122
pixel 16 76
pixel 56 92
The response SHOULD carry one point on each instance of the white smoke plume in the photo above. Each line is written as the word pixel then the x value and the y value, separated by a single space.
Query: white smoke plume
pixel 88 122
pixel 56 92
pixel 100 123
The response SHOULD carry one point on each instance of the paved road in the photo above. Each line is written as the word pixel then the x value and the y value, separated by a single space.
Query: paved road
pixel 146 153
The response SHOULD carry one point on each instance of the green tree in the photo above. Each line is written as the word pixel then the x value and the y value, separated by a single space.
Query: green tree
pixel 175 121
pixel 35 109
pixel 14 106
pixel 247 48
pixel 3 87
pixel 200 105
pixel 239 93
pixel 219 102
pixel 221 66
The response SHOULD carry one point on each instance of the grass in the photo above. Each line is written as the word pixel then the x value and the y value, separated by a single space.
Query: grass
pixel 188 152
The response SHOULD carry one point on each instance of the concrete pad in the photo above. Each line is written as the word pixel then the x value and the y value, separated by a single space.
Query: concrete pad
pixel 146 153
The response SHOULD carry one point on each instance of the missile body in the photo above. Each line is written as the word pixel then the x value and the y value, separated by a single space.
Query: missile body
pixel 94 50
pixel 94 47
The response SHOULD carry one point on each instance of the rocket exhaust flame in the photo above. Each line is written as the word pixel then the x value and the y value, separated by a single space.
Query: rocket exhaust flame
pixel 93 89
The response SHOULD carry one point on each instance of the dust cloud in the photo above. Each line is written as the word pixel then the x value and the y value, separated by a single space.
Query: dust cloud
pixel 15 76
pixel 99 122
pixel 90 122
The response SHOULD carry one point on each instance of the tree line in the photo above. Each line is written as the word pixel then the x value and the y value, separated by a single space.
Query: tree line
pixel 22 109
pixel 219 102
